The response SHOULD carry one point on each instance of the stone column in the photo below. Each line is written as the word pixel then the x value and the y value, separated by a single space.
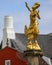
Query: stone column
pixel 33 56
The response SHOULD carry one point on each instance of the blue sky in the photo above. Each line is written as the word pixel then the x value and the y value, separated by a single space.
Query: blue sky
pixel 17 9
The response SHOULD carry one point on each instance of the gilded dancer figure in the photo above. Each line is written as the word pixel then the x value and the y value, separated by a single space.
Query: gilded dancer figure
pixel 33 31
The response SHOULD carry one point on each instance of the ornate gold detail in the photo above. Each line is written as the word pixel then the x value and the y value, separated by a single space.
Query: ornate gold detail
pixel 32 31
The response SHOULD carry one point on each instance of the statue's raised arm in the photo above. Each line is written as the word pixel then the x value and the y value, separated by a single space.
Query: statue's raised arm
pixel 27 6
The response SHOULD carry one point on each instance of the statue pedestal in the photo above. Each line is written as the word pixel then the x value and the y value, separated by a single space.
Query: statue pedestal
pixel 33 56
pixel 33 53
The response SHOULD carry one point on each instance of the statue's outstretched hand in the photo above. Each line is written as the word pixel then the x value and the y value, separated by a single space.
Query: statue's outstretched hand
pixel 27 6
pixel 26 3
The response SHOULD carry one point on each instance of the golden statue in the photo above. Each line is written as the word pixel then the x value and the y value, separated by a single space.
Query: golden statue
pixel 32 31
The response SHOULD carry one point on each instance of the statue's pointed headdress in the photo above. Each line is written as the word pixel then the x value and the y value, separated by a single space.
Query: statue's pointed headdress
pixel 36 5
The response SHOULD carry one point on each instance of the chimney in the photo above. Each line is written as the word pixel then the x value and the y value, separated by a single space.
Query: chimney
pixel 8 31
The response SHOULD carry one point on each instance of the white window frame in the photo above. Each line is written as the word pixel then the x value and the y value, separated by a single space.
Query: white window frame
pixel 7 61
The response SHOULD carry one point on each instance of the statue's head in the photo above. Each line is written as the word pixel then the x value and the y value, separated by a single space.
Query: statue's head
pixel 36 5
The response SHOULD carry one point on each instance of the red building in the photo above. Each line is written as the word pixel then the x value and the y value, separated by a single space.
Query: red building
pixel 9 56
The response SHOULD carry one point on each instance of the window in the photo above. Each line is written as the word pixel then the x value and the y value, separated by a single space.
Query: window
pixel 7 62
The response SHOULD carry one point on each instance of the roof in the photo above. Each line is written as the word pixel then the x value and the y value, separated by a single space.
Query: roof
pixel 45 42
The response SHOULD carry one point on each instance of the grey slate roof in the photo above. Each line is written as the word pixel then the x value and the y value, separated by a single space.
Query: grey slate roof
pixel 45 42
